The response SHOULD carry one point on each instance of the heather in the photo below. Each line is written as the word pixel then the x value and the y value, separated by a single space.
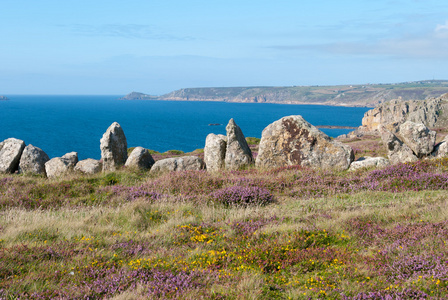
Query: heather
pixel 286 233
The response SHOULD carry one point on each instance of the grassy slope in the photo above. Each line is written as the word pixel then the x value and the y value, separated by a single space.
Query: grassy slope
pixel 129 235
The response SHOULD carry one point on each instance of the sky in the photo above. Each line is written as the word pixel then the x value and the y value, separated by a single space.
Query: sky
pixel 114 47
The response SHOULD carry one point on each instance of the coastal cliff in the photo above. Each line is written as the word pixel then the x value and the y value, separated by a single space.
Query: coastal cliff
pixel 368 95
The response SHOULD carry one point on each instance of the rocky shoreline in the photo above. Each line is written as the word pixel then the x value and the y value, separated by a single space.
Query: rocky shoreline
pixel 402 127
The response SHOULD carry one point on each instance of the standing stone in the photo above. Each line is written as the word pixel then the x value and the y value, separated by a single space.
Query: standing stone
pixel 215 152
pixel 398 152
pixel 293 141
pixel 33 161
pixel 418 137
pixel 59 166
pixel 185 163
pixel 238 154
pixel 89 166
pixel 140 158
pixel 113 148
pixel 10 151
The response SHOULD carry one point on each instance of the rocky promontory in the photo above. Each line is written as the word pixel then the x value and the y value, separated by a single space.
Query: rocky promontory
pixel 3 98
pixel 431 112
pixel 137 96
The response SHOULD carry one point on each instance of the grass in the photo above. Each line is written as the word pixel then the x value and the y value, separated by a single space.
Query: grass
pixel 287 233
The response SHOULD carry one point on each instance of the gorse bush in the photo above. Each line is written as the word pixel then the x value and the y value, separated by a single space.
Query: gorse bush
pixel 242 196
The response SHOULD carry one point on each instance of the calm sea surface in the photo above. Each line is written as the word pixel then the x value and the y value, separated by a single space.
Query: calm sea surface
pixel 61 124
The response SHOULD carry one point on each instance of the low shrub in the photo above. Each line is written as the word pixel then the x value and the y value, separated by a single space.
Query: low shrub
pixel 242 196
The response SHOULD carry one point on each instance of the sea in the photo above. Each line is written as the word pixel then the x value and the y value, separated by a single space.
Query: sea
pixel 62 124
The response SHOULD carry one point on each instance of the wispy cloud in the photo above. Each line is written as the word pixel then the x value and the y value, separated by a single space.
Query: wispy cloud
pixel 429 45
pixel 131 31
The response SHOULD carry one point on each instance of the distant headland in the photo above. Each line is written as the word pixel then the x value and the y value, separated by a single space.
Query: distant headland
pixel 366 95
pixel 3 98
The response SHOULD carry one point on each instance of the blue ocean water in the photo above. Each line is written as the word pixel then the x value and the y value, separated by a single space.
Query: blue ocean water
pixel 61 124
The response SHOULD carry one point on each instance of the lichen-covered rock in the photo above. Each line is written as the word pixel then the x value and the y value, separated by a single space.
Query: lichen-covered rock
pixel 215 152
pixel 418 137
pixel 238 154
pixel 140 158
pixel 89 166
pixel 59 166
pixel 33 161
pixel 293 141
pixel 10 152
pixel 369 162
pixel 114 147
pixel 398 152
pixel 185 163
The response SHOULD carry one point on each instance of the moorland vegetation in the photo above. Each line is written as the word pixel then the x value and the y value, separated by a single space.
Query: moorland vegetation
pixel 284 233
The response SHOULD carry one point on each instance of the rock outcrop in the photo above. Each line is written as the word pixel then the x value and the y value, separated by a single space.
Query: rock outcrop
pixel 113 146
pixel 431 112
pixel 418 137
pixel 369 162
pixel 215 152
pixel 89 166
pixel 59 166
pixel 33 161
pixel 140 158
pixel 238 154
pixel 398 152
pixel 293 141
pixel 10 151
pixel 185 163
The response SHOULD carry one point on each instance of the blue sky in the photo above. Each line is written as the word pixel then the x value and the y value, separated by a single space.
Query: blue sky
pixel 156 46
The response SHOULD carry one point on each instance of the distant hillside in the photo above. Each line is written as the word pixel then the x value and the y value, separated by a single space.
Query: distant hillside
pixel 369 95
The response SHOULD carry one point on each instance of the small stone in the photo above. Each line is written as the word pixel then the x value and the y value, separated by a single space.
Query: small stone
pixel 140 158
pixel 89 166
pixel 33 161
pixel 185 163
pixel 369 162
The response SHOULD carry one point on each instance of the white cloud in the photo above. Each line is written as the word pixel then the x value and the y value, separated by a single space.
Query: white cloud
pixel 443 27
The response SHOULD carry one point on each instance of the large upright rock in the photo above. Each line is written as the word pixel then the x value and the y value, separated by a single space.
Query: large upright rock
pixel 238 153
pixel 113 147
pixel 398 152
pixel 140 158
pixel 418 137
pixel 293 141
pixel 59 166
pixel 185 163
pixel 33 161
pixel 10 152
pixel 215 152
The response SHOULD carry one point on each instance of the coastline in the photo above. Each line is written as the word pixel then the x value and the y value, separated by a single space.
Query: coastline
pixel 254 102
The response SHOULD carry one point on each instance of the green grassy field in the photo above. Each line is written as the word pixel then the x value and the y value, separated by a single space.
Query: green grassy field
pixel 287 233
